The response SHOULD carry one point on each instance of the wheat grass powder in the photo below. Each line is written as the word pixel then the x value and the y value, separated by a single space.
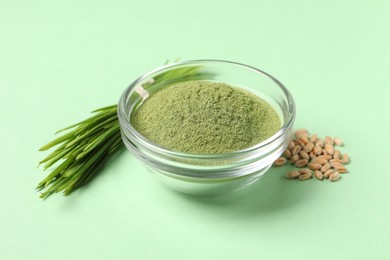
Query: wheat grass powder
pixel 205 117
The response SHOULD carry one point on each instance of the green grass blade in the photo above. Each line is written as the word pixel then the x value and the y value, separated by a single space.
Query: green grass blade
pixel 56 141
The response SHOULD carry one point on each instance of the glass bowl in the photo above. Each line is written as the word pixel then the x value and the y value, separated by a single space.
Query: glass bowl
pixel 203 174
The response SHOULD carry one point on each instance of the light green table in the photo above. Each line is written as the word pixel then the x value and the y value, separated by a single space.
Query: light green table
pixel 58 61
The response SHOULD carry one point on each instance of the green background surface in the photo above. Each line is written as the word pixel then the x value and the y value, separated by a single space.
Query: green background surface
pixel 60 60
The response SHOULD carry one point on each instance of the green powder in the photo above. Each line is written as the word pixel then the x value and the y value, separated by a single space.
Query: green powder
pixel 205 118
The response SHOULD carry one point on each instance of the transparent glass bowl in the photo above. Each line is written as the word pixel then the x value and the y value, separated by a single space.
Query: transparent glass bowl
pixel 202 174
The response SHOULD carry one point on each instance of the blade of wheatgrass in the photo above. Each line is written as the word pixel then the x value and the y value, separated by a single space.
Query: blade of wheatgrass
pixel 100 127
pixel 106 133
pixel 79 149
pixel 88 120
pixel 69 127
pixel 93 121
pixel 98 140
pixel 72 169
pixel 52 189
pixel 110 108
pixel 110 124
pixel 111 119
pixel 55 158
pixel 45 182
pixel 69 181
pixel 56 141
pixel 116 145
pixel 87 135
pixel 53 154
pixel 61 152
pixel 86 123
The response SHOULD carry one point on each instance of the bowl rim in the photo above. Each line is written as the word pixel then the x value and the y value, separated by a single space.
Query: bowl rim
pixel 126 123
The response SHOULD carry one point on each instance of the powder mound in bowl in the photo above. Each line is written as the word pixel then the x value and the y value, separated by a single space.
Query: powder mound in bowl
pixel 205 118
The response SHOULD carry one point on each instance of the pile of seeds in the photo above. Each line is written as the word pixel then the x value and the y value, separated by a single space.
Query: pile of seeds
pixel 314 156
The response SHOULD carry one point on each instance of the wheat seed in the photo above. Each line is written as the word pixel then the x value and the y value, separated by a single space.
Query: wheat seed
pixel 338 141
pixel 301 163
pixel 291 145
pixel 301 132
pixel 341 169
pixel 308 147
pixel 296 149
pixel 287 154
pixel 336 161
pixel 305 170
pixel 320 160
pixel 325 167
pixel 314 166
pixel 329 149
pixel 334 176
pixel 280 161
pixel 318 175
pixel 305 176
pixel 304 155
pixel 292 175
pixel 328 173
pixel 345 158
pixel 328 140
pixel 337 154
pixel 300 142
pixel 304 139
pixel 336 164
pixel 313 138
pixel 317 150
pixel 294 158
pixel 320 143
